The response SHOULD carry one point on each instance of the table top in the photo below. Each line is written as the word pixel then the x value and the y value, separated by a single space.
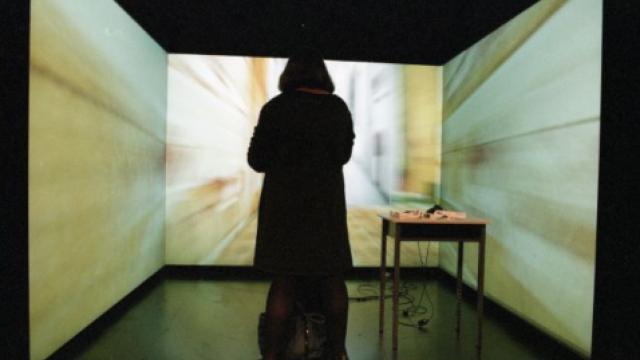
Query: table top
pixel 466 221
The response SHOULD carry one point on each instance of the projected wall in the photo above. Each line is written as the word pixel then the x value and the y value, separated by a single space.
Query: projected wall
pixel 212 193
pixel 97 109
pixel 520 147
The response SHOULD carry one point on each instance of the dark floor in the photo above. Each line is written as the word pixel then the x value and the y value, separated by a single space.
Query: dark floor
pixel 217 319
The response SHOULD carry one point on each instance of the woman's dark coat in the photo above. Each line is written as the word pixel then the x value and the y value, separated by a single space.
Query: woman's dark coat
pixel 301 142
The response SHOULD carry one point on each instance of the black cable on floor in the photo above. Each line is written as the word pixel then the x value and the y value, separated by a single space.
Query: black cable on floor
pixel 407 305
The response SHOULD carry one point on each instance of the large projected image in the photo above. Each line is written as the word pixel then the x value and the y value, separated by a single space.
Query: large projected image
pixel 96 164
pixel 138 159
pixel 212 193
pixel 521 125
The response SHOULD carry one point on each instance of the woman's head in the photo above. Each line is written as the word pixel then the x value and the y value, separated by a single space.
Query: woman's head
pixel 305 69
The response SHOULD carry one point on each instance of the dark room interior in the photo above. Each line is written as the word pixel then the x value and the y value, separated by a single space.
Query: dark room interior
pixel 130 213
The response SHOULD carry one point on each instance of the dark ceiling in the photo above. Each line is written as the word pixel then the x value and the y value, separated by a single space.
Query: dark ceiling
pixel 416 31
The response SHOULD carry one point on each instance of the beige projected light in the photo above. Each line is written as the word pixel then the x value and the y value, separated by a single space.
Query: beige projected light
pixel 96 164
pixel 520 147
pixel 212 193
pixel 508 131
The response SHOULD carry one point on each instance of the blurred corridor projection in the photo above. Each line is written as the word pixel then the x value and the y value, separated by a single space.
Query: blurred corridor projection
pixel 97 114
pixel 138 159
pixel 212 193
pixel 520 146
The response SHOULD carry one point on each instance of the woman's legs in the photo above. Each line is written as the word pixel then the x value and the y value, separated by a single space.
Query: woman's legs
pixel 280 302
pixel 336 307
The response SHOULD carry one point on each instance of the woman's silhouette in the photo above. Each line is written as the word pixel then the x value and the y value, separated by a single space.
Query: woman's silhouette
pixel 303 138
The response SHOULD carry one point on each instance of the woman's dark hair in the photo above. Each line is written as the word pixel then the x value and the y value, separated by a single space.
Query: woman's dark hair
pixel 305 68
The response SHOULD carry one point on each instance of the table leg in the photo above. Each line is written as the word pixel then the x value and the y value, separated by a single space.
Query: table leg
pixel 459 285
pixel 396 285
pixel 383 277
pixel 481 248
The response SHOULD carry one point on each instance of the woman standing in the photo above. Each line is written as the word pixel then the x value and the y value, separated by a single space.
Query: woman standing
pixel 303 138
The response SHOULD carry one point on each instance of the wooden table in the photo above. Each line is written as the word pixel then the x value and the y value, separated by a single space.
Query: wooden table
pixel 460 231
